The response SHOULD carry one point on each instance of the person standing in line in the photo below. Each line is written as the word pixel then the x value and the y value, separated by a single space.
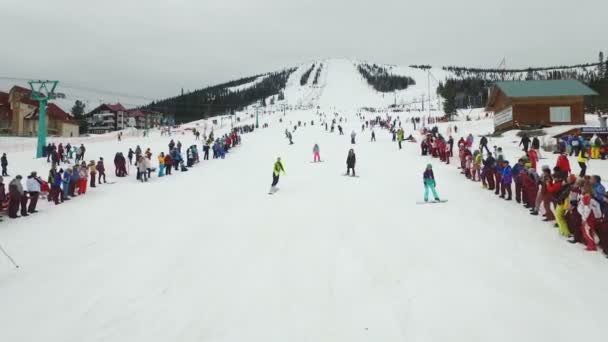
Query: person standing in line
pixel 101 171
pixel 32 185
pixel 93 173
pixel 16 195
pixel 83 178
pixel 161 164
pixel 66 183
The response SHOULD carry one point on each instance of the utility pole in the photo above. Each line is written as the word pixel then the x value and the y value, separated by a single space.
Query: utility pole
pixel 42 91
pixel 428 73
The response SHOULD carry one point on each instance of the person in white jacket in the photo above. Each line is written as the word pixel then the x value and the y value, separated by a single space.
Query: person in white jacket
pixel 591 212
pixel 32 185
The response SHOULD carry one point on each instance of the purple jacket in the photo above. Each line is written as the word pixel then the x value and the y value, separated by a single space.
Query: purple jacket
pixel 428 174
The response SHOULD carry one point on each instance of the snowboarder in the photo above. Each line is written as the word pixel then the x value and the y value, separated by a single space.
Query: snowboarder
pixel 351 159
pixel 276 172
pixel 316 153
pixel 429 183
pixel 373 135
pixel 353 135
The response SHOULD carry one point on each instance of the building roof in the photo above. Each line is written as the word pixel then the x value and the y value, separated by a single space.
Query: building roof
pixel 546 88
pixel 21 89
pixel 52 112
pixel 116 107
pixel 136 113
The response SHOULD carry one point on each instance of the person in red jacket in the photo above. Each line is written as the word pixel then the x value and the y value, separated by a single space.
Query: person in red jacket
pixel 533 157
pixel 563 164
pixel 168 163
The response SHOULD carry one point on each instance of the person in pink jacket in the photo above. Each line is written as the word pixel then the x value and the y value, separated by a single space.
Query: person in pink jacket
pixel 316 153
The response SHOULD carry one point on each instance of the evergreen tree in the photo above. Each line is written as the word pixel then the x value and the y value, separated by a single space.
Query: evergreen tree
pixel 281 96
pixel 78 113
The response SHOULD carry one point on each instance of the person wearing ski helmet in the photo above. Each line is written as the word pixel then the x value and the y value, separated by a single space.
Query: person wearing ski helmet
pixel 429 183
pixel 276 172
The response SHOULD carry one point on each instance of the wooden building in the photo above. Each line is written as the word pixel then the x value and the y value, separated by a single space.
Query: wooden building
pixel 519 104
pixel 19 115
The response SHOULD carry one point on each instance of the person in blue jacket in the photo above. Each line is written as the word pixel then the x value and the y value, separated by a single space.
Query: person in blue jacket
pixel 507 179
pixel 498 176
pixel 55 180
pixel 67 176
pixel 429 183
pixel 598 189
pixel 519 171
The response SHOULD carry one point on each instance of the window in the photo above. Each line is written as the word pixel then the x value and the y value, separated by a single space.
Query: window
pixel 560 114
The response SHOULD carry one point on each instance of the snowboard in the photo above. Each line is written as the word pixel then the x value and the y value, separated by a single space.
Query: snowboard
pixel 431 202
pixel 272 192
pixel 314 162
pixel 345 175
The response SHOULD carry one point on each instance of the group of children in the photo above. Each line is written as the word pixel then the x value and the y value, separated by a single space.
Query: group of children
pixel 578 204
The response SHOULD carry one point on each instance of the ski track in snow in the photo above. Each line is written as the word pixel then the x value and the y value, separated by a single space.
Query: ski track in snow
pixel 208 255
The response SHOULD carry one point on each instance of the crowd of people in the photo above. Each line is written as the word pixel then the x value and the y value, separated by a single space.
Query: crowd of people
pixel 71 176
pixel 577 204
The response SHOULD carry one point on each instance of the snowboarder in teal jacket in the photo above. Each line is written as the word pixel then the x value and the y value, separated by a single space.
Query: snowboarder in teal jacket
pixel 429 183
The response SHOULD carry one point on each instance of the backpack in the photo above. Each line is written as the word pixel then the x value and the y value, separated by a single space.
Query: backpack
pixel 563 194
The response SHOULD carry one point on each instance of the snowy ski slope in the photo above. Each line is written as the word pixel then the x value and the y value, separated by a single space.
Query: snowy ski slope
pixel 207 255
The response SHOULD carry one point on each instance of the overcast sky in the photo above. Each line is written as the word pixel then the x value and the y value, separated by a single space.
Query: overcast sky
pixel 153 48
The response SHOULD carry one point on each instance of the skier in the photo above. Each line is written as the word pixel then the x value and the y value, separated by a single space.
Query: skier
pixel 400 136
pixel 483 143
pixel 278 168
pixel 429 183
pixel 351 159
pixel 316 153
pixel 373 135
pixel 353 135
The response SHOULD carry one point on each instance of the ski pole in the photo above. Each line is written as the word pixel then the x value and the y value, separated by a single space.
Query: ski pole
pixel 9 257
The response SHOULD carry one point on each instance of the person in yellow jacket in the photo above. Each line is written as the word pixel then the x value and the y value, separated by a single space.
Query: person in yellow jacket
pixel 400 136
pixel 582 159
pixel 476 176
pixel 161 164
pixel 278 168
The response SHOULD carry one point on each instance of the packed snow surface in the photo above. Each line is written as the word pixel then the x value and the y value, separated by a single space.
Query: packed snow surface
pixel 208 255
